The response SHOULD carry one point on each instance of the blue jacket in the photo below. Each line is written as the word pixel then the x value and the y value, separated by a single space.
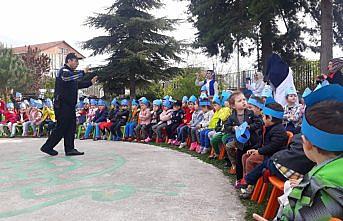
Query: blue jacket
pixel 100 116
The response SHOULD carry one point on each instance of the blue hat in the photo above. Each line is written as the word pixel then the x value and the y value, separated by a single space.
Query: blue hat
pixel 80 105
pixel 18 95
pixel 134 102
pixel 157 102
pixel 144 101
pixel 101 102
pixel 192 99
pixel 291 90
pixel 184 99
pixel 114 102
pixel 203 88
pixel 38 104
pixel 269 100
pixel 255 102
pixel 27 103
pixel 10 106
pixel 322 139
pixel 93 102
pixel 124 102
pixel 307 91
pixel 86 101
pixel 270 112
pixel 167 103
pixel 166 97
pixel 204 102
pixel 267 92
pixel 48 103
pixel 203 96
pixel 32 102
pixel 216 100
pixel 242 133
pixel 23 105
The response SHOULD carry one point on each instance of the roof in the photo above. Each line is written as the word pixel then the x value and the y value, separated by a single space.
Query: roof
pixel 43 47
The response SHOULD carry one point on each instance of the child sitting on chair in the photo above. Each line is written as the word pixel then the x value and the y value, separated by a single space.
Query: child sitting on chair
pixel 11 118
pixel 165 118
pixel 155 118
pixel 132 122
pixel 176 120
pixel 144 120
pixel 319 194
pixel 119 119
pixel 292 111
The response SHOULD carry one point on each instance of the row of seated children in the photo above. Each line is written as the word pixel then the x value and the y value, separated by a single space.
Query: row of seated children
pixel 35 114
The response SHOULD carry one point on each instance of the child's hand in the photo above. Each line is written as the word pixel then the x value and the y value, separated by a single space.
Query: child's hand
pixel 294 182
pixel 198 126
pixel 235 128
pixel 252 152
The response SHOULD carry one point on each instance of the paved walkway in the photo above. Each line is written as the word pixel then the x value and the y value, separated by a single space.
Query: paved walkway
pixel 113 181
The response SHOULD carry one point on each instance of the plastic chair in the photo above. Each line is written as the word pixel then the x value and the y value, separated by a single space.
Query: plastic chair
pixel 261 186
pixel 273 204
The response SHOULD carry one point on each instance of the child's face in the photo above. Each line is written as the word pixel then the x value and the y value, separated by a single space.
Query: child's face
pixel 196 106
pixel 204 109
pixel 309 149
pixel 134 107
pixel 256 110
pixel 124 107
pixel 216 106
pixel 86 106
pixel 191 106
pixel 184 105
pixel 267 121
pixel 10 109
pixel 143 106
pixel 155 108
pixel 292 98
pixel 101 108
pixel 176 108
pixel 240 102
pixel 165 108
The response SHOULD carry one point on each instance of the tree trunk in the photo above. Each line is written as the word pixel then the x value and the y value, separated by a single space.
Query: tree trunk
pixel 132 87
pixel 326 32
pixel 266 43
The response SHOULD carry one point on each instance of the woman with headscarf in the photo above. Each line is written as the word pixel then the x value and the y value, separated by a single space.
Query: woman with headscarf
pixel 258 84
pixel 335 75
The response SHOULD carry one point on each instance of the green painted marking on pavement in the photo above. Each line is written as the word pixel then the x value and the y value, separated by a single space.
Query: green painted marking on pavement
pixel 28 175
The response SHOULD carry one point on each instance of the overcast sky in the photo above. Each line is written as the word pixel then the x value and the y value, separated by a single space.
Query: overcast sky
pixel 40 21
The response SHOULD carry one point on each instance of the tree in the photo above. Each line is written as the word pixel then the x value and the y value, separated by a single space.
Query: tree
pixel 13 72
pixel 223 24
pixel 38 64
pixel 328 16
pixel 139 51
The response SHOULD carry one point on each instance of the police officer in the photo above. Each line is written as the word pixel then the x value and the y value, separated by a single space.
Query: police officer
pixel 67 83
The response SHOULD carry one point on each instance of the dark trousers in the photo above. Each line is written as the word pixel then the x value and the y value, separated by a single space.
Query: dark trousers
pixel 252 177
pixel 116 129
pixel 171 130
pixel 65 128
pixel 50 125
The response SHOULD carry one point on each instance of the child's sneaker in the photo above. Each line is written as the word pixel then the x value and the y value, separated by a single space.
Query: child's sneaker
pixel 148 140
pixel 182 145
pixel 177 143
pixel 193 146
pixel 205 150
pixel 232 170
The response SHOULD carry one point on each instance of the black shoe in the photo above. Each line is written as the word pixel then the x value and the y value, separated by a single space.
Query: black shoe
pixel 74 152
pixel 51 152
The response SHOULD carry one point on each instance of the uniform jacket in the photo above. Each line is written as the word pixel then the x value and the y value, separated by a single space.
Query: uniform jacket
pixel 145 117
pixel 100 116
pixel 275 139
pixel 67 84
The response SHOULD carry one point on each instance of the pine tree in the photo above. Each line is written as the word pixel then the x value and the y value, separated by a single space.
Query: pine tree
pixel 13 72
pixel 138 49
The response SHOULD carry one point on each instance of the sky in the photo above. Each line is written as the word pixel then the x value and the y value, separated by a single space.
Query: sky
pixel 40 21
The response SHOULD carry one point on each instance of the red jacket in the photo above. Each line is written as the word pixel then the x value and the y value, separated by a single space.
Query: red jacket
pixel 188 115
pixel 25 117
pixel 10 116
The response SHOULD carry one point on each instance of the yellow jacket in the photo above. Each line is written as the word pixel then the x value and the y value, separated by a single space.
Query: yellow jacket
pixel 222 114
pixel 48 113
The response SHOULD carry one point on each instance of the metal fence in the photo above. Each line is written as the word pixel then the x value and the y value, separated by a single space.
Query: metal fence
pixel 304 76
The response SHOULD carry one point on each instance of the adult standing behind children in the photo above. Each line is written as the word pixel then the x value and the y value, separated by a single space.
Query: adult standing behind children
pixel 67 83
pixel 209 82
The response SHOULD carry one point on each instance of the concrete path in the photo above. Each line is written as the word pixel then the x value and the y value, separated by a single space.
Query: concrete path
pixel 113 181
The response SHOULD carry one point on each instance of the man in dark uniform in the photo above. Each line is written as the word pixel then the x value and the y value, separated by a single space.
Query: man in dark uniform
pixel 67 83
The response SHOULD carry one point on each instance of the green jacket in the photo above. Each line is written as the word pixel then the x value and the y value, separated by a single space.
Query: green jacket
pixel 320 195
